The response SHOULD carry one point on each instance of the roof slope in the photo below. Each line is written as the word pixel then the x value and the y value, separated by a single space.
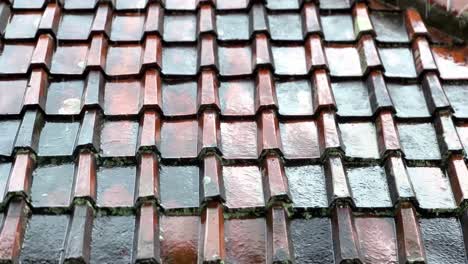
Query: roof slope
pixel 192 131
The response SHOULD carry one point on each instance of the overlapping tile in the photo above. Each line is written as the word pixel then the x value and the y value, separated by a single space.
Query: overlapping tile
pixel 271 131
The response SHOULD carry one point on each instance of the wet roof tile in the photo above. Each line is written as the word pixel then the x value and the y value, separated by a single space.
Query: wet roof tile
pixel 270 131
pixel 67 30
pixel 233 26
pixel 237 98
pixel 338 27
pixel 294 98
pixel 64 98
pixel 52 185
pixel 179 28
pixel 286 26
pixel 127 27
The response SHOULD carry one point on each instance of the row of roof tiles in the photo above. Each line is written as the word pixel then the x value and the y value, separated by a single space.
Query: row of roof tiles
pixel 188 5
pixel 244 188
pixel 150 236
pixel 298 139
pixel 234 60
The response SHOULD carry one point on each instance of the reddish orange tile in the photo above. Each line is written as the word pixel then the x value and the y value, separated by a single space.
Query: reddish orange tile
pixel 122 97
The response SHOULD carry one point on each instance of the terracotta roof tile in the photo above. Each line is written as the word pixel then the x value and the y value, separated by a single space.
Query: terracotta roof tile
pixel 230 131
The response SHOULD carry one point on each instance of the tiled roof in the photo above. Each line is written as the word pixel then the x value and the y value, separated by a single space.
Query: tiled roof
pixel 239 132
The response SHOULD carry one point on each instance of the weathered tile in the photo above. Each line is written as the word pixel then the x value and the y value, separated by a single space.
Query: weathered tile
pixel 377 239
pixel 23 25
pixel 419 141
pixel 28 4
pixel 350 67
pixel 336 4
pixel 294 98
pixel 352 98
pixel 389 26
pixel 283 4
pixel 124 60
pixel 51 186
pixel 127 27
pixel 233 26
pixel 398 62
pixel 44 239
pixel 64 98
pixel 5 168
pixel 122 97
pixel 179 139
pixel 11 96
pixel 338 27
pixel 451 62
pixel 15 58
pixel 8 131
pixel 243 187
pixel 119 138
pixel 289 60
pixel 432 188
pixel 458 97
pixel 179 60
pixel 68 29
pixel 69 59
pixel 300 139
pixel 112 239
pixel 307 186
pixel 360 140
pixel 231 4
pixel 369 186
pixel 179 245
pixel 237 98
pixel 239 139
pixel 312 240
pixel 408 100
pixel 245 240
pixel 235 60
pixel 116 186
pixel 180 28
pixel 285 26
pixel 179 187
pixel 125 5
pixel 443 240
pixel 80 4
pixel 180 4
pixel 58 138
pixel 179 98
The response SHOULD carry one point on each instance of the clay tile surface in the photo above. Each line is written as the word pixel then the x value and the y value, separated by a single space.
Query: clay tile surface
pixel 231 131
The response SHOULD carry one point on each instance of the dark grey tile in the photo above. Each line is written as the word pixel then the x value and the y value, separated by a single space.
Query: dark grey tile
pixel 458 97
pixel 419 141
pixel 58 138
pixel 69 29
pixel 233 26
pixel 408 100
pixel 389 26
pixel 338 27
pixel 8 131
pixel 443 240
pixel 295 97
pixel 285 26
pixel 352 98
pixel 307 186
pixel 179 187
pixel 312 240
pixel 52 185
pixel 112 239
pixel 369 186
pixel 398 62
pixel 43 240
